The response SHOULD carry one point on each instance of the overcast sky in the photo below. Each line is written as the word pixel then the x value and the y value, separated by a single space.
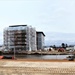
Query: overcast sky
pixel 56 18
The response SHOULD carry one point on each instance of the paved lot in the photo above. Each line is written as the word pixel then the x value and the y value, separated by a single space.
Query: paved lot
pixel 36 68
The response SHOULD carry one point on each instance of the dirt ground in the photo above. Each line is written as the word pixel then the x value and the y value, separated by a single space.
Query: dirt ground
pixel 37 60
pixel 36 67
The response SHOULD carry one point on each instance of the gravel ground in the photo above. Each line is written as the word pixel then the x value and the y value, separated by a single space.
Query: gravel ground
pixel 36 68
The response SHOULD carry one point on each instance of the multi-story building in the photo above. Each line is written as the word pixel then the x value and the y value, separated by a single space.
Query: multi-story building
pixel 40 40
pixel 20 37
pixel 23 37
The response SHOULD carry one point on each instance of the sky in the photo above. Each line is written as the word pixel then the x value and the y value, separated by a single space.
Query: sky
pixel 56 18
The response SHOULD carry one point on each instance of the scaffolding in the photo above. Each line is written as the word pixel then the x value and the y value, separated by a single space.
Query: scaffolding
pixel 20 37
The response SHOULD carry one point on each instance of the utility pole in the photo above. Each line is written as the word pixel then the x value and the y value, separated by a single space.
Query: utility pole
pixel 14 52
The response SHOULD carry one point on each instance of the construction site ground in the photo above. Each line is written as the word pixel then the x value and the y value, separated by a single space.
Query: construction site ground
pixel 36 67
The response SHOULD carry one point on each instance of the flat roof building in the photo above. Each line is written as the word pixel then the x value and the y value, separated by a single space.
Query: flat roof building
pixel 23 37
pixel 40 40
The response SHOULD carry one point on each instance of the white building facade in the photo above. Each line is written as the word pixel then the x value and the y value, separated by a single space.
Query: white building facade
pixel 21 37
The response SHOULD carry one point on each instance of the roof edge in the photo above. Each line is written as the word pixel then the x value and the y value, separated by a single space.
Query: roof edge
pixel 41 32
pixel 17 25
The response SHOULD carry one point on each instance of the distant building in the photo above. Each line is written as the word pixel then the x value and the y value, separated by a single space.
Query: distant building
pixel 71 48
pixel 23 37
pixel 20 37
pixel 40 40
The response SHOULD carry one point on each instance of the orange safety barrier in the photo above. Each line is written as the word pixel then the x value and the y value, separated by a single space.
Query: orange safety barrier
pixel 1 57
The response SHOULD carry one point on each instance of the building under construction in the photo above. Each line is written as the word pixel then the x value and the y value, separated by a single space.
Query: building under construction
pixel 22 37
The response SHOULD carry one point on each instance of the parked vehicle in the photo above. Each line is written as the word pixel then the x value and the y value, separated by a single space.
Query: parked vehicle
pixel 70 58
